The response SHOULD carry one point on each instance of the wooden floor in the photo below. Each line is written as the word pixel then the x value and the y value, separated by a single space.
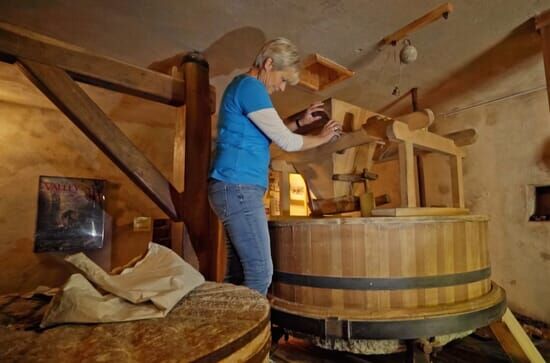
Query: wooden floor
pixel 472 349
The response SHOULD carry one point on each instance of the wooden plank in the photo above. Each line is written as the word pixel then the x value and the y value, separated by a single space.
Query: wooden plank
pixel 199 219
pixel 407 212
pixel 521 338
pixel 88 117
pixel 89 68
pixel 514 341
pixel 407 175
pixel 433 15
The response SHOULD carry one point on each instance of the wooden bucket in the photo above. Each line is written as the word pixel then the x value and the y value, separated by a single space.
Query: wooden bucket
pixel 383 278
pixel 214 323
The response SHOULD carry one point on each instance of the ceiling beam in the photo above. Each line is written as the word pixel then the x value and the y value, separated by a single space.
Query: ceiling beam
pixel 89 68
pixel 433 15
pixel 65 93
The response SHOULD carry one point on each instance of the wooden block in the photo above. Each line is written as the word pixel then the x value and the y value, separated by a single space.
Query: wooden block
pixel 319 73
pixel 334 205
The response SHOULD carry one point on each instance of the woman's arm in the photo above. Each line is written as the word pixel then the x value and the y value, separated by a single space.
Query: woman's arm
pixel 272 125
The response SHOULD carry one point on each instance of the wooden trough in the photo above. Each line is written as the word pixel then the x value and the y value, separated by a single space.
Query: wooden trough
pixel 382 278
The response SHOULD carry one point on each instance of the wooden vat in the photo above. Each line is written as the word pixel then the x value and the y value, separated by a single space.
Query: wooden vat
pixel 214 323
pixel 383 278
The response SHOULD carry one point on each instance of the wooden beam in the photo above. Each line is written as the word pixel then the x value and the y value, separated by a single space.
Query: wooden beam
pixel 199 218
pixel 88 117
pixel 422 139
pixel 461 138
pixel 543 26
pixel 514 341
pixel 430 17
pixel 346 141
pixel 89 68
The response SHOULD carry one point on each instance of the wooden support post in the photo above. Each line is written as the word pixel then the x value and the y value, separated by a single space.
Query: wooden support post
pixel 514 340
pixel 178 172
pixel 65 93
pixel 421 181
pixel 198 217
pixel 457 181
pixel 406 174
pixel 542 23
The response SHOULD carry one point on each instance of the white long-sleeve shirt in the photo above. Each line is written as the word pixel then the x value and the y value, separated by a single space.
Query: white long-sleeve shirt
pixel 271 124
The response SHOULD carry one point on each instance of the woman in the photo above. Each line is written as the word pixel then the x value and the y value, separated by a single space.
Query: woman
pixel 239 175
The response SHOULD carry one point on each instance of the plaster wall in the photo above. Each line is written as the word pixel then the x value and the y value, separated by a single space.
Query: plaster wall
pixel 38 141
pixel 509 158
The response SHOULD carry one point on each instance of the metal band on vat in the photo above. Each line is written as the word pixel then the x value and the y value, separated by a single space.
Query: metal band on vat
pixel 380 283
pixel 389 329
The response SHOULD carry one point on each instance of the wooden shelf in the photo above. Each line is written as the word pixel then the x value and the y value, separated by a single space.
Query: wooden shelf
pixel 319 73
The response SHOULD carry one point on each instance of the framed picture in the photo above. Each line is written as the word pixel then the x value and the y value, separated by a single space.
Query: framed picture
pixel 71 214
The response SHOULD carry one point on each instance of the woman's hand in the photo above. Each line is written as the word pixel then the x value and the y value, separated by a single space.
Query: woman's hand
pixel 308 116
pixel 331 130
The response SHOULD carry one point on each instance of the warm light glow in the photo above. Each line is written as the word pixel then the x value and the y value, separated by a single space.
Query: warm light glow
pixel 298 196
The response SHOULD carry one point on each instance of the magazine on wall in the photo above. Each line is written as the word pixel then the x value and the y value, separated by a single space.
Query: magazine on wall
pixel 71 214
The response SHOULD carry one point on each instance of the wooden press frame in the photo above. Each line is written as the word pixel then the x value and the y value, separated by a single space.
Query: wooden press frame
pixel 54 67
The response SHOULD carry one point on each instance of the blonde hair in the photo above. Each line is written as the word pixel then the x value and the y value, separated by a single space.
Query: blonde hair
pixel 284 55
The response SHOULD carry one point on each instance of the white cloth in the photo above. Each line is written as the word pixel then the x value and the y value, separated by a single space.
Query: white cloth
pixel 271 124
pixel 150 289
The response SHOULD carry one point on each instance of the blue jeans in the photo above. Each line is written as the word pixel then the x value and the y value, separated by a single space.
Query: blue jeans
pixel 240 207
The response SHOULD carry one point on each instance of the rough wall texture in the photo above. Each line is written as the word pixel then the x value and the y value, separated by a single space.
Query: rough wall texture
pixel 511 155
pixel 39 141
